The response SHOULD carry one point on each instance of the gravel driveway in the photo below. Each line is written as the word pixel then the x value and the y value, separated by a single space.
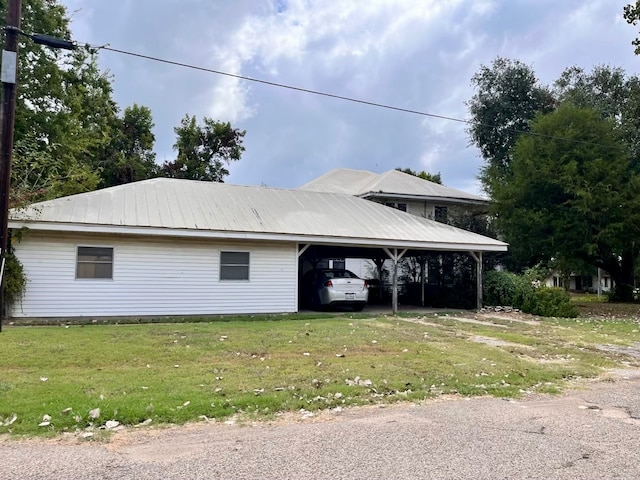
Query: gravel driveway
pixel 589 433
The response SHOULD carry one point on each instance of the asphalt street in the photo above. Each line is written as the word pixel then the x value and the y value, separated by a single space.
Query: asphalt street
pixel 592 432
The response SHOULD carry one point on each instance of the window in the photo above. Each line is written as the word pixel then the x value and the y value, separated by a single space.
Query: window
pixel 94 262
pixel 234 265
pixel 338 263
pixel 390 204
pixel 402 206
pixel 440 214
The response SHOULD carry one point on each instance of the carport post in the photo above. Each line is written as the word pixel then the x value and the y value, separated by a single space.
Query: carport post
pixel 423 264
pixel 395 257
pixel 477 256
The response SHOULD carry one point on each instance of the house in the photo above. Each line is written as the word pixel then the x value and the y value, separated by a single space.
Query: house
pixel 399 190
pixel 178 247
pixel 589 283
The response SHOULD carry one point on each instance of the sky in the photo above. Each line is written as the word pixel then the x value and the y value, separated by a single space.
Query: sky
pixel 413 54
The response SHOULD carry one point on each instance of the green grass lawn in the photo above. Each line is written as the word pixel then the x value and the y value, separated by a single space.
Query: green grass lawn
pixel 174 373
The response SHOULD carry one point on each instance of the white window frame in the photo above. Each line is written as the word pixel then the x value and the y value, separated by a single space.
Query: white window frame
pixel 94 279
pixel 247 265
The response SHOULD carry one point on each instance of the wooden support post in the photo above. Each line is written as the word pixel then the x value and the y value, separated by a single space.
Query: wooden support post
pixel 478 258
pixel 395 257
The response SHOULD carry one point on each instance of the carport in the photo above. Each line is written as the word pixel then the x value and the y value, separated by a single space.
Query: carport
pixel 312 253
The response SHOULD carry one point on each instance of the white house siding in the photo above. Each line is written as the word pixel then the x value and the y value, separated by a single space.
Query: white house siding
pixel 153 276
pixel 361 267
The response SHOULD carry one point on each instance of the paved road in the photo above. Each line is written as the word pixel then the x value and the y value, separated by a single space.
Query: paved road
pixel 592 433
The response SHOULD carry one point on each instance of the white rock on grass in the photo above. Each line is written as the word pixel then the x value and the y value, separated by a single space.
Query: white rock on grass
pixel 94 413
pixel 46 421
pixel 145 423
pixel 111 424
pixel 11 420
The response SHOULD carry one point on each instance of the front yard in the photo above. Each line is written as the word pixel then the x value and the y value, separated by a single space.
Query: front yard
pixel 86 379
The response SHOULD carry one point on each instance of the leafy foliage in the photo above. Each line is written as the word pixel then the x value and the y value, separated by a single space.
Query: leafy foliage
pixel 613 94
pixel 572 203
pixel 15 280
pixel 435 178
pixel 573 195
pixel 129 157
pixel 632 16
pixel 525 293
pixel 204 150
pixel 508 97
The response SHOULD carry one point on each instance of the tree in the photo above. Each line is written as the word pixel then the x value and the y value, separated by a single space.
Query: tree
pixel 64 109
pixel 632 16
pixel 572 194
pixel 612 93
pixel 129 157
pixel 204 150
pixel 508 97
pixel 435 178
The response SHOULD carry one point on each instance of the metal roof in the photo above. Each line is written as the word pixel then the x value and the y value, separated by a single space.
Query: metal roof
pixel 174 207
pixel 394 183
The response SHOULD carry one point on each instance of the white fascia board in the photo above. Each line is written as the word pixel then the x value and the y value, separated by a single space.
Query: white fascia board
pixel 273 237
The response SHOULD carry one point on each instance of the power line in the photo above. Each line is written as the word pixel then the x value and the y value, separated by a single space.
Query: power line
pixel 338 97
pixel 282 85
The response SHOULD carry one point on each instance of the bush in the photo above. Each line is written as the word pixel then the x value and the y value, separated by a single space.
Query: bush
pixel 525 293
pixel 551 302
pixel 499 288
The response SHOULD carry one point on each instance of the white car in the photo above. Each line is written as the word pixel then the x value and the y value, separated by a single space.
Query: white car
pixel 333 287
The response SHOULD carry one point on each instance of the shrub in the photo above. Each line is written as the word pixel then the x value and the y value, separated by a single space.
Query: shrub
pixel 14 280
pixel 552 302
pixel 499 288
pixel 526 293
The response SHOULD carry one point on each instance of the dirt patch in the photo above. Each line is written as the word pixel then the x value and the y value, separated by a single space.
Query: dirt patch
pixel 511 317
pixel 629 350
pixel 494 342
pixel 421 321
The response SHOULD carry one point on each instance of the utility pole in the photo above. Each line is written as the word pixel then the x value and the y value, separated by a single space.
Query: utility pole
pixel 9 76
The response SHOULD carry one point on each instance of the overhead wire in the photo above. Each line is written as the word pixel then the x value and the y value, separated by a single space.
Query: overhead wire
pixel 335 96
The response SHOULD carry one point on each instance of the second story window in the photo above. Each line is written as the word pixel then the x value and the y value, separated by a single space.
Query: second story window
pixel 440 214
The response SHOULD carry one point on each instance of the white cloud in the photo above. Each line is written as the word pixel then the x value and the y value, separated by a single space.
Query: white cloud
pixel 416 54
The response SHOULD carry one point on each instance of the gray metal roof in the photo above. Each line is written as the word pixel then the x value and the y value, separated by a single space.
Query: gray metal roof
pixel 393 183
pixel 216 210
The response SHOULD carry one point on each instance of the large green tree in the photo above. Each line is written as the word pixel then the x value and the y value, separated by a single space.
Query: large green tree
pixel 204 150
pixel 632 16
pixel 573 194
pixel 129 156
pixel 507 98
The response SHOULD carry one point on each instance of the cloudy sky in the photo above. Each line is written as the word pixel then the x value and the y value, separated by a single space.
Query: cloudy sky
pixel 414 54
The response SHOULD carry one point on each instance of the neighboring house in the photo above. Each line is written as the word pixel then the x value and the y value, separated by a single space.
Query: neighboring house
pixel 178 247
pixel 582 282
pixel 399 190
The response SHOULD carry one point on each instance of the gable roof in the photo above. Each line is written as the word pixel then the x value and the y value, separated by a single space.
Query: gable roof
pixel 365 184
pixel 187 208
